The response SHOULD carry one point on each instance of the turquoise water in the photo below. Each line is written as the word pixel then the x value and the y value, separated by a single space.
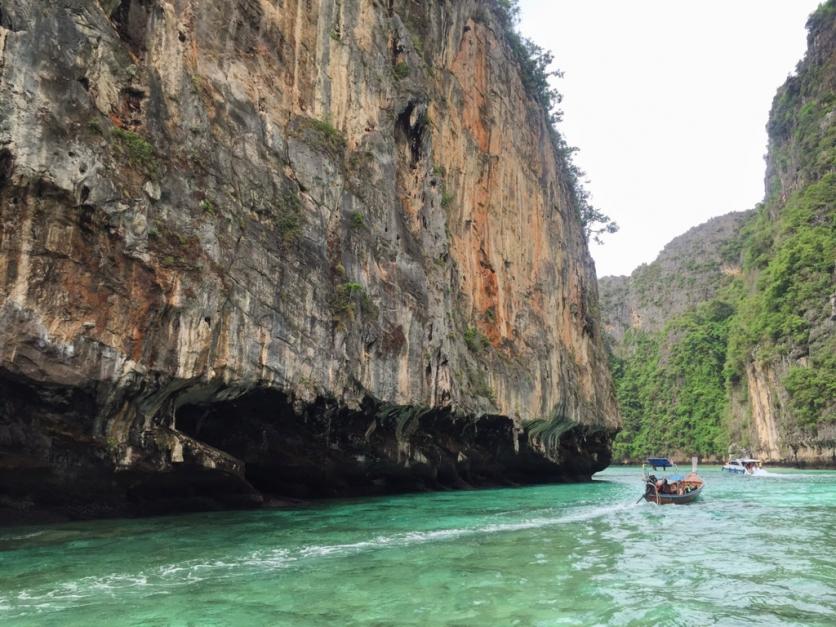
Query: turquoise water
pixel 751 551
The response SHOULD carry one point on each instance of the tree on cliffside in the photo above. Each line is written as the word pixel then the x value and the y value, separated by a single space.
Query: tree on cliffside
pixel 537 72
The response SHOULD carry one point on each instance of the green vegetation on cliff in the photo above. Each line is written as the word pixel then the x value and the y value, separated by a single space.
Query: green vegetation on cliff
pixel 536 72
pixel 671 387
pixel 785 318
pixel 771 325
pixel 786 312
pixel 790 262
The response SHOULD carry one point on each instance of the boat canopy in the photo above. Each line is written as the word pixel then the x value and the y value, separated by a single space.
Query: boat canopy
pixel 659 462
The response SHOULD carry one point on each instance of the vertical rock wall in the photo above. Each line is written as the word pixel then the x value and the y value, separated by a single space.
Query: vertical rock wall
pixel 790 375
pixel 307 247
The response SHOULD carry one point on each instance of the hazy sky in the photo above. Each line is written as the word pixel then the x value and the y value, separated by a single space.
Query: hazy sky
pixel 667 101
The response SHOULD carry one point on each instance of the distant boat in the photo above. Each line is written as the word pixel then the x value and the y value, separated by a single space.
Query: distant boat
pixel 672 489
pixel 744 466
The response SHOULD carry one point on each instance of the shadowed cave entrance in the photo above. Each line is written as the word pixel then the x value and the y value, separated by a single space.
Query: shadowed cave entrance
pixel 319 451
pixel 322 449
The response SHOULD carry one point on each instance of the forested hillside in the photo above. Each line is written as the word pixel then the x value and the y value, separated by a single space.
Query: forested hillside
pixel 668 326
pixel 741 350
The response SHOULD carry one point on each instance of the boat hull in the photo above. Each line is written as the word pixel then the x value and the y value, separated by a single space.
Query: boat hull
pixel 663 498
pixel 673 499
pixel 672 489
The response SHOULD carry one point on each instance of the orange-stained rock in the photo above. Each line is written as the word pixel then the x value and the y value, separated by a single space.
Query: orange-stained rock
pixel 204 203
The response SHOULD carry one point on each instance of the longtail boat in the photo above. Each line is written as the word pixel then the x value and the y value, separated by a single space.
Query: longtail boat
pixel 671 488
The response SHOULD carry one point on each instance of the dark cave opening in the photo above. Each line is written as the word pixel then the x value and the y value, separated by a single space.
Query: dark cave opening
pixel 130 18
pixel 303 455
pixel 324 449
pixel 6 167
pixel 54 460
pixel 46 437
pixel 6 20
pixel 410 130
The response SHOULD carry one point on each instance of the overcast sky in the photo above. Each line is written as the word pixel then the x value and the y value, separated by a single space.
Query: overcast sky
pixel 667 101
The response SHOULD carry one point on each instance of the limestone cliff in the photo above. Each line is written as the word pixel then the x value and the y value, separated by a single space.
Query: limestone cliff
pixel 783 353
pixel 690 270
pixel 283 247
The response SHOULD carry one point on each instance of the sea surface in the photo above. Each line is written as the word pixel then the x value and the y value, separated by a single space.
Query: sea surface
pixel 751 551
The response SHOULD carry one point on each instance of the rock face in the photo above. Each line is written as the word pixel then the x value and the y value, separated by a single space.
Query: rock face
pixel 306 248
pixel 788 372
pixel 690 270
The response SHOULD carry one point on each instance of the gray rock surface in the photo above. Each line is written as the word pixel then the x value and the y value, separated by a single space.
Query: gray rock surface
pixel 691 269
pixel 300 247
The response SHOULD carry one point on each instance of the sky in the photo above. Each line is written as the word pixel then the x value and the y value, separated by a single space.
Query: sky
pixel 667 101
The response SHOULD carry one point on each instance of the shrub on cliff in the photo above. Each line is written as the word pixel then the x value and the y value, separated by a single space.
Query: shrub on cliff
pixel 536 72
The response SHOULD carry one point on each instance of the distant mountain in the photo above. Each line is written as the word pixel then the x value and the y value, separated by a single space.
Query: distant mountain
pixel 726 341
pixel 688 271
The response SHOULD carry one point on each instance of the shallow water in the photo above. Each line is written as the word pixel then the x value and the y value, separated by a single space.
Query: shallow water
pixel 751 551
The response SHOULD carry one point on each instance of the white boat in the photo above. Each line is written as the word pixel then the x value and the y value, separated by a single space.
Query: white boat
pixel 744 466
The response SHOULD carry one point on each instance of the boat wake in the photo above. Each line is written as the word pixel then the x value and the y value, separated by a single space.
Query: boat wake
pixel 761 473
pixel 166 578
pixel 782 475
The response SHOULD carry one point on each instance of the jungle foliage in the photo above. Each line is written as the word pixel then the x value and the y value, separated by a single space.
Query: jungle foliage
pixel 674 387
pixel 671 386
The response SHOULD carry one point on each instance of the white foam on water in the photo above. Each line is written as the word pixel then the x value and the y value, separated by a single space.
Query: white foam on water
pixel 421 537
pixel 190 572
pixel 24 536
pixel 784 475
